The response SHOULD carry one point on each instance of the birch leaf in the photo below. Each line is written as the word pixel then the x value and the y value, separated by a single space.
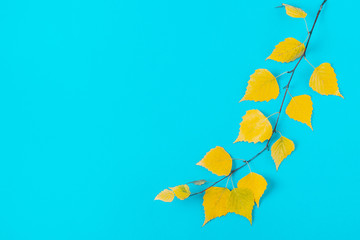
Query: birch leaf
pixel 217 161
pixel 215 203
pixel 165 196
pixel 255 127
pixel 199 182
pixel 262 86
pixel 323 80
pixel 300 109
pixel 241 201
pixel 287 51
pixel 181 192
pixel 282 148
pixel 294 12
pixel 256 183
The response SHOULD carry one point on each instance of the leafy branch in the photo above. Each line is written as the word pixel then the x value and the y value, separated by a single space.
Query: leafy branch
pixel 255 127
pixel 292 71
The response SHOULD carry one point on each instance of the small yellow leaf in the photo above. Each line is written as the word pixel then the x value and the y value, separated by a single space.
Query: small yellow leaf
pixel 255 127
pixel 282 148
pixel 300 109
pixel 287 51
pixel 262 86
pixel 165 196
pixel 215 203
pixel 294 11
pixel 199 182
pixel 256 183
pixel 323 80
pixel 218 161
pixel 241 202
pixel 181 192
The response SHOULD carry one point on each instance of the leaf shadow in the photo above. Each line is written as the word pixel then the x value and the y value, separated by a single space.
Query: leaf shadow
pixel 270 185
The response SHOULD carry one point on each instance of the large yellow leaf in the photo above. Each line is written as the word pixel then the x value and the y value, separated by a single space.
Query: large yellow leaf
pixel 294 11
pixel 282 148
pixel 181 192
pixel 323 80
pixel 287 51
pixel 256 183
pixel 215 203
pixel 241 202
pixel 300 109
pixel 255 127
pixel 165 196
pixel 262 86
pixel 218 161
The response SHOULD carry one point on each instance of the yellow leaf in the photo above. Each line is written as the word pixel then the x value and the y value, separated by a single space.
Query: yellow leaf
pixel 165 196
pixel 323 80
pixel 199 182
pixel 282 148
pixel 241 202
pixel 256 183
pixel 262 86
pixel 181 192
pixel 215 203
pixel 300 109
pixel 255 127
pixel 218 161
pixel 287 51
pixel 294 11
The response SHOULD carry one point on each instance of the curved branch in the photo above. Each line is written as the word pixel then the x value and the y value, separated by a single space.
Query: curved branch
pixel 281 106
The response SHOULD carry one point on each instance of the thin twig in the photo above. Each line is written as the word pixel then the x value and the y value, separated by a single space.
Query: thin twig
pixel 281 107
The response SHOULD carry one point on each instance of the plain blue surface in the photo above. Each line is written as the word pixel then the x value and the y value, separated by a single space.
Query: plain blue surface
pixel 106 103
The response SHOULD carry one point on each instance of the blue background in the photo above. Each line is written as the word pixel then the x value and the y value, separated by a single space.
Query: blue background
pixel 106 103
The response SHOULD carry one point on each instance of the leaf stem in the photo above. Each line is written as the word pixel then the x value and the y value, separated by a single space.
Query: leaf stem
pixel 281 107
pixel 281 74
pixel 307 29
pixel 309 62
pixel 232 182
pixel 248 164
pixel 272 115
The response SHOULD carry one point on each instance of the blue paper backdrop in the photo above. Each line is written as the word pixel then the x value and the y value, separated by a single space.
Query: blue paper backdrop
pixel 106 103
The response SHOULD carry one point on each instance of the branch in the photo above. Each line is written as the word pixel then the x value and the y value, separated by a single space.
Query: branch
pixel 281 107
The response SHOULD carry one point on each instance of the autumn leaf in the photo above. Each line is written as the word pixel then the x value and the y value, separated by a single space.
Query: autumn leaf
pixel 215 203
pixel 218 161
pixel 287 51
pixel 198 182
pixel 256 183
pixel 323 80
pixel 181 192
pixel 241 201
pixel 165 196
pixel 282 148
pixel 255 127
pixel 294 12
pixel 300 109
pixel 262 86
